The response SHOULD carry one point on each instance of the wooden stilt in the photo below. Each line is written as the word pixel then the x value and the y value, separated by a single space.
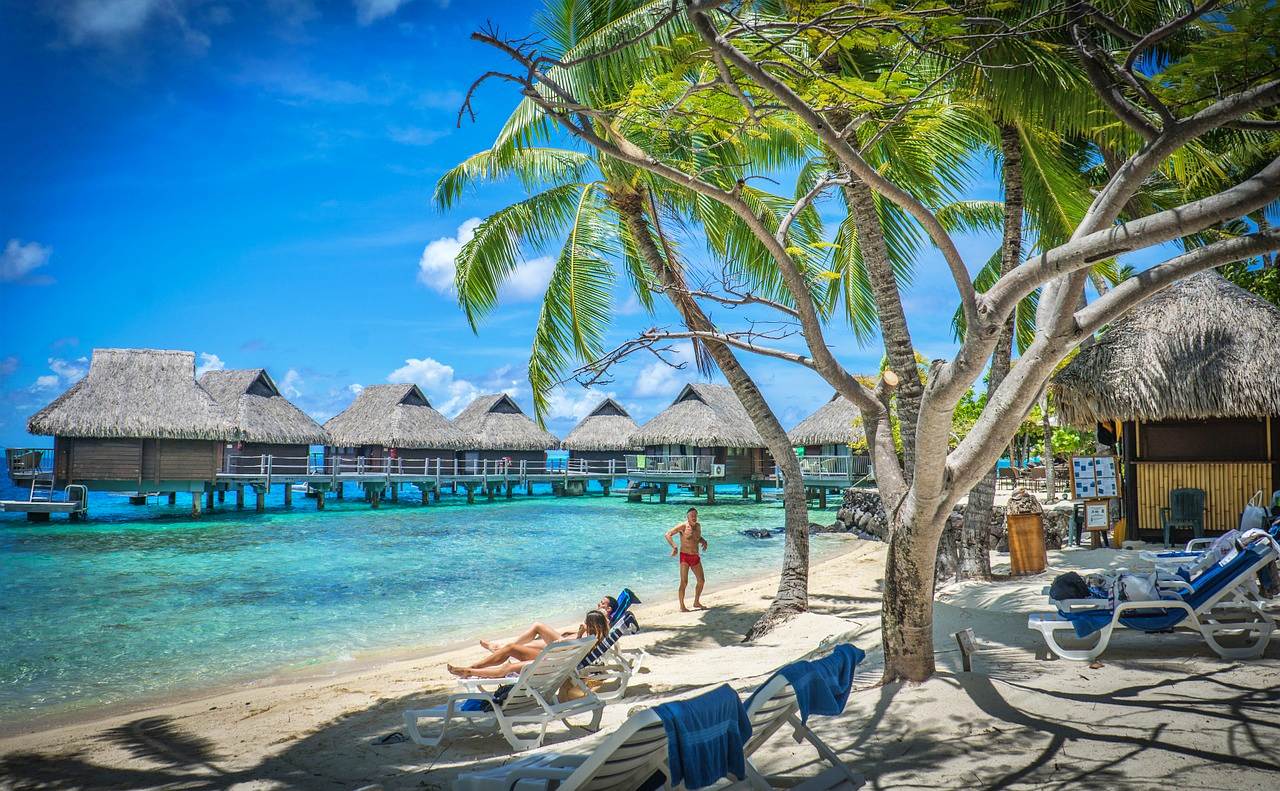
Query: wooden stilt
pixel 375 496
pixel 435 494
pixel 745 491
pixel 320 499
pixel 288 495
pixel 173 498
pixel 137 499
pixel 605 486
pixel 662 493
pixel 759 491
pixel 711 494
pixel 195 505
pixel 510 488
pixel 395 492
pixel 208 500
pixel 822 497
pixel 340 492
pixel 259 498
pixel 471 495
pixel 239 497
pixel 488 492
pixel 528 488
pixel 222 495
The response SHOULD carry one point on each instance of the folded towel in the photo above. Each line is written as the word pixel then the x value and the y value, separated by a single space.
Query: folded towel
pixel 625 599
pixel 626 625
pixel 705 737
pixel 478 704
pixel 822 686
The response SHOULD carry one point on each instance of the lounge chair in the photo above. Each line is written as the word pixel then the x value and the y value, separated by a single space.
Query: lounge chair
pixel 532 699
pixel 773 706
pixel 1220 601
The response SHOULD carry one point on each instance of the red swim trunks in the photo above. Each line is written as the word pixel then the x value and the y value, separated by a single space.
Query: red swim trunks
pixel 690 560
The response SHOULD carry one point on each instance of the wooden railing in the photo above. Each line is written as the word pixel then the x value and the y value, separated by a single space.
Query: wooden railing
pixel 361 466
pixel 651 464
pixel 27 463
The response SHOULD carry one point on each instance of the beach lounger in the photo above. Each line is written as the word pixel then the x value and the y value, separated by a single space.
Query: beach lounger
pixel 607 668
pixel 532 700
pixel 1221 601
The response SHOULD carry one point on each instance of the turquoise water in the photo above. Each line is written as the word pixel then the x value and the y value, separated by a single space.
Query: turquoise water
pixel 144 601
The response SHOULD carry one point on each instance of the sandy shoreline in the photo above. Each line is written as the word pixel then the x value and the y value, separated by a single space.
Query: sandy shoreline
pixel 1159 709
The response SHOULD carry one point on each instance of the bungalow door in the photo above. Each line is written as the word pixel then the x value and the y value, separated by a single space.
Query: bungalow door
pixel 471 462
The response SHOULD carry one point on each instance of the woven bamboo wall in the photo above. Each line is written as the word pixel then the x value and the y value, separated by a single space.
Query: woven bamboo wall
pixel 1227 485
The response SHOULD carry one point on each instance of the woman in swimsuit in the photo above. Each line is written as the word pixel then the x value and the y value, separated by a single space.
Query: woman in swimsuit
pixel 539 635
pixel 512 658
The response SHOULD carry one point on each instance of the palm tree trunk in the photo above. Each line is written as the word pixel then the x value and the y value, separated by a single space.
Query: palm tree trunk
pixel 793 586
pixel 975 549
pixel 893 320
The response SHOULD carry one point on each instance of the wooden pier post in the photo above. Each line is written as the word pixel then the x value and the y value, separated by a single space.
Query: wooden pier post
pixel 759 491
pixel 208 500
pixel 239 496
pixel 662 493
pixel 222 495
pixel 288 494
pixel 195 504
pixel 528 488
pixel 338 489
pixel 711 494
pixel 471 494
pixel 605 485
pixel 435 493
pixel 137 499
pixel 822 497
pixel 259 498
pixel 320 499
pixel 395 492
pixel 374 494
pixel 173 498
pixel 488 491
pixel 745 491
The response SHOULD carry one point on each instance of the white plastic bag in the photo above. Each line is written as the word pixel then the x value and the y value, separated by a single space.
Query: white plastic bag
pixel 1137 587
pixel 1254 516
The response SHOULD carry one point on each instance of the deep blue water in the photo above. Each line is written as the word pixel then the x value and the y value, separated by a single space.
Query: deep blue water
pixel 144 601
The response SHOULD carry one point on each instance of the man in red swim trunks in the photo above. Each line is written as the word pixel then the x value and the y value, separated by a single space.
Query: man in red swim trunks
pixel 691 541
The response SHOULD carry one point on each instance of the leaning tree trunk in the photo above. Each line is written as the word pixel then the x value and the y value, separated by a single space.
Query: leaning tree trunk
pixel 893 320
pixel 975 543
pixel 793 586
pixel 907 607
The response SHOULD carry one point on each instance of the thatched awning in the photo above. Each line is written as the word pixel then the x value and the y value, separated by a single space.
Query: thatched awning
pixel 393 416
pixel 258 409
pixel 703 415
pixel 1202 348
pixel 608 427
pixel 136 394
pixel 495 422
pixel 836 422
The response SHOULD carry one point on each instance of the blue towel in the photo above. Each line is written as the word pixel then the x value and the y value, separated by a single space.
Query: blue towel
pixel 625 599
pixel 822 686
pixel 705 737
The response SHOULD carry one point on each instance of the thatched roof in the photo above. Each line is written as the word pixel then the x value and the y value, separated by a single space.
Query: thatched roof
pixel 608 427
pixel 1199 349
pixel 832 424
pixel 136 394
pixel 393 416
pixel 495 422
pixel 703 415
pixel 254 403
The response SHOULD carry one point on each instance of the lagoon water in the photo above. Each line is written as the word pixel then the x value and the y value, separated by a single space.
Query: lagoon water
pixel 141 602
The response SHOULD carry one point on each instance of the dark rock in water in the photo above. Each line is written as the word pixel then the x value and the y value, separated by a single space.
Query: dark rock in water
pixel 834 527
pixel 862 512
pixel 758 532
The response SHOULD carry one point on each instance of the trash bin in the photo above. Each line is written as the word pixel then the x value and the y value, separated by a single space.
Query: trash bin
pixel 1026 544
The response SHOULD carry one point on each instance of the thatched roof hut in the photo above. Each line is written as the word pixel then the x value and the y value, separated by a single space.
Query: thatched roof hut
pixel 258 409
pixel 702 415
pixel 836 422
pixel 393 416
pixel 607 428
pixel 1202 348
pixel 495 422
pixel 136 394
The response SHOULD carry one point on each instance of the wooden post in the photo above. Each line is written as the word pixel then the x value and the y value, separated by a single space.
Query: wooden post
pixel 195 505
pixel 395 492
pixel 259 498
pixel 471 494
pixel 745 492
pixel 222 495
pixel 239 496
pixel 711 494
pixel 320 493
pixel 375 496
pixel 759 493
pixel 822 497
pixel 288 494
pixel 137 499
pixel 208 500
pixel 662 493
pixel 173 498
pixel 338 489
pixel 488 491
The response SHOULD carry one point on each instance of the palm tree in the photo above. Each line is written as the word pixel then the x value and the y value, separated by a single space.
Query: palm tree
pixel 606 217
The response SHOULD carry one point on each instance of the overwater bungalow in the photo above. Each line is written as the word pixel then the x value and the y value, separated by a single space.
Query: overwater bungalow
pixel 1186 387
pixel 603 436
pixel 137 422
pixel 496 430
pixel 824 442
pixel 704 439
pixel 393 428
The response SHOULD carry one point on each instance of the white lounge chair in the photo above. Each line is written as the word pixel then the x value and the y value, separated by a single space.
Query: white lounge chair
pixel 1221 601
pixel 533 700
pixel 770 709
pixel 622 762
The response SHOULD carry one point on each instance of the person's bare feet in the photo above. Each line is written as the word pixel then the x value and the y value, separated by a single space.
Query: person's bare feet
pixel 460 672
pixel 699 606
pixel 684 609
pixel 488 646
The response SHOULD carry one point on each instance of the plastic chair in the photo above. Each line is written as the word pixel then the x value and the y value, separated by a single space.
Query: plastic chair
pixel 1186 509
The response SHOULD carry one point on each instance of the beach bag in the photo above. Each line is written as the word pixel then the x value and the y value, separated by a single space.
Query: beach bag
pixel 1254 516
pixel 1069 586
pixel 1136 587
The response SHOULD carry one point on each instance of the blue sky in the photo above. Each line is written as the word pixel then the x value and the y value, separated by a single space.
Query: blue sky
pixel 252 181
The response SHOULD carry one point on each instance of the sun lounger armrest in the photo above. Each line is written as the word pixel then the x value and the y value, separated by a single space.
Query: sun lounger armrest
pixel 1082 605
pixel 1199 544
pixel 1177 584
pixel 479 684
pixel 512 779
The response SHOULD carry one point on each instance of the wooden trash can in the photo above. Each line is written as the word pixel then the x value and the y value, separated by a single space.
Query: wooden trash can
pixel 1026 544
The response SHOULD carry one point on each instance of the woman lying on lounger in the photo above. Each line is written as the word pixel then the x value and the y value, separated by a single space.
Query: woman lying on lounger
pixel 539 635
pixel 511 658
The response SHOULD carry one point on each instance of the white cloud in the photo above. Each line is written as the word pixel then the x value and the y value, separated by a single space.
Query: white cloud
pixel 291 384
pixel 370 11
pixel 445 392
pixel 107 19
pixel 355 389
pixel 662 379
pixel 19 260
pixel 209 362
pixel 415 135
pixel 574 404
pixel 438 264
pixel 64 373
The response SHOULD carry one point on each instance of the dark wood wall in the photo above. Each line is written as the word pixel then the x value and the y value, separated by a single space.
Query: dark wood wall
pixel 142 461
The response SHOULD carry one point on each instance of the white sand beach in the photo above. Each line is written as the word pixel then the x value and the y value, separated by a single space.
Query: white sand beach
pixel 1157 711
